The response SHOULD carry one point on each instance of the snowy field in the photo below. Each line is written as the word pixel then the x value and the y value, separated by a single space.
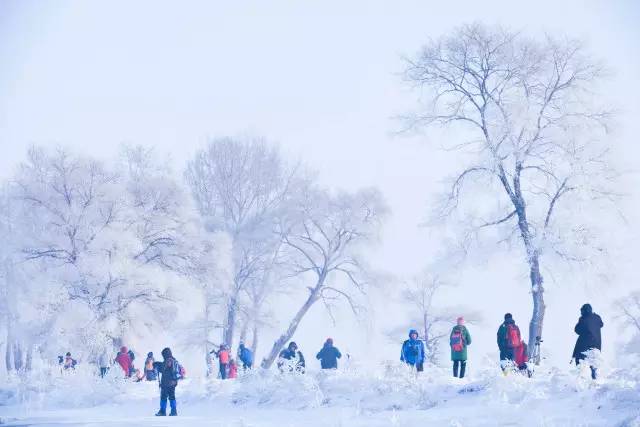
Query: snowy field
pixel 356 397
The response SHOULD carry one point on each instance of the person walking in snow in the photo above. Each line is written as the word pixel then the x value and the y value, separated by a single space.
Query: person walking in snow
pixel 329 355
pixel 412 352
pixel 245 355
pixel 103 362
pixel 150 372
pixel 459 339
pixel 291 359
pixel 589 336
pixel 170 372
pixel 509 341
pixel 223 355
pixel 233 369
pixel 69 362
pixel 124 361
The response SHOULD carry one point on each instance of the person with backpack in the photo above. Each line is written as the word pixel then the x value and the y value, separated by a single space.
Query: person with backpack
pixel 589 336
pixel 223 354
pixel 233 369
pixel 509 340
pixel 150 372
pixel 124 361
pixel 245 355
pixel 69 362
pixel 170 372
pixel 329 355
pixel 412 352
pixel 459 339
pixel 291 359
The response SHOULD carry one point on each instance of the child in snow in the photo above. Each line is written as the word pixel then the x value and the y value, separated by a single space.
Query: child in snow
pixel 103 361
pixel 223 355
pixel 459 340
pixel 149 370
pixel 69 362
pixel 170 372
pixel 124 361
pixel 412 352
pixel 233 369
pixel 291 360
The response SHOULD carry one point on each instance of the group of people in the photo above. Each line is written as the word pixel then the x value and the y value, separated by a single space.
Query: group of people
pixel 291 358
pixel 513 350
pixel 227 366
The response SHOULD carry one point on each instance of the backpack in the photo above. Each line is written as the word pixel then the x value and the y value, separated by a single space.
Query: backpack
pixel 178 370
pixel 513 336
pixel 457 340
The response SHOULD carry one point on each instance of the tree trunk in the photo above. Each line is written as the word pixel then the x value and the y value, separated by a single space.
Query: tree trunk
pixel 29 359
pixel 254 339
pixel 232 312
pixel 280 342
pixel 8 354
pixel 243 332
pixel 537 293
pixel 17 356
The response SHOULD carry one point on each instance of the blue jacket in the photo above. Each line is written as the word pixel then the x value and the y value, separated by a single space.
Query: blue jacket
pixel 245 355
pixel 412 350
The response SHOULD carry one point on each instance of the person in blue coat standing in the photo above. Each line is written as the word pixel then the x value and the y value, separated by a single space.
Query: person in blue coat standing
pixel 412 352
pixel 246 356
pixel 329 355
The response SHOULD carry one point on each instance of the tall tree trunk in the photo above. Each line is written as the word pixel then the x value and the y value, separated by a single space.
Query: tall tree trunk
pixel 8 359
pixel 280 342
pixel 29 358
pixel 244 331
pixel 230 324
pixel 537 293
pixel 17 356
pixel 254 339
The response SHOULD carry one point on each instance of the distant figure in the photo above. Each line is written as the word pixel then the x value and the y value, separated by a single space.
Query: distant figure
pixel 291 360
pixel 245 355
pixel 132 357
pixel 233 369
pixel 329 355
pixel 223 355
pixel 170 372
pixel 69 362
pixel 412 352
pixel 589 337
pixel 124 361
pixel 103 362
pixel 509 340
pixel 150 372
pixel 458 341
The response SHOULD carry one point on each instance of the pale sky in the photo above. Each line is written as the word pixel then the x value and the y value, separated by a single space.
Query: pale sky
pixel 319 78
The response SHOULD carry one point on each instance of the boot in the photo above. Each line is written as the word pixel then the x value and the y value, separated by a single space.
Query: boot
pixel 163 409
pixel 455 369
pixel 174 411
pixel 463 368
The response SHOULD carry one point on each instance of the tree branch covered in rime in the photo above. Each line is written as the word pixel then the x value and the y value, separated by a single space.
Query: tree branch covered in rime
pixel 321 235
pixel 537 135
pixel 240 186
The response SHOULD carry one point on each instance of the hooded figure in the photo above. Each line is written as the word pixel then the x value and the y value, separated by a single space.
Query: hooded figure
pixel 329 355
pixel 245 356
pixel 290 359
pixel 509 339
pixel 69 362
pixel 459 339
pixel 124 361
pixel 169 370
pixel 412 352
pixel 588 330
pixel 150 372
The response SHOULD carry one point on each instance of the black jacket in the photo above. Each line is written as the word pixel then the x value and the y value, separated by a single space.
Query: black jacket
pixel 588 330
pixel 506 352
pixel 328 357
pixel 169 371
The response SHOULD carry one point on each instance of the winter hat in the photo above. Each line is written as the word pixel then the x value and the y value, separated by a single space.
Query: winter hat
pixel 166 353
pixel 329 341
pixel 508 316
pixel 124 349
pixel 150 354
pixel 68 354
pixel 293 345
pixel 413 331
pixel 586 309
pixel 460 320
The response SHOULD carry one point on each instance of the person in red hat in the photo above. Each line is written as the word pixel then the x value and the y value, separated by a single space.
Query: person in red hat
pixel 124 361
pixel 329 355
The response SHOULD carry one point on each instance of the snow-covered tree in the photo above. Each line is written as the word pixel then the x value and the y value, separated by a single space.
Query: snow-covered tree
pixel 322 234
pixel 534 161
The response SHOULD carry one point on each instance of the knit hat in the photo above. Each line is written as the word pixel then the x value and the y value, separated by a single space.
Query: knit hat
pixel 508 316
pixel 460 320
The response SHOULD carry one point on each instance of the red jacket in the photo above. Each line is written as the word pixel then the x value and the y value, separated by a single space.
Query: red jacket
pixel 124 361
pixel 233 370
pixel 223 355
pixel 520 355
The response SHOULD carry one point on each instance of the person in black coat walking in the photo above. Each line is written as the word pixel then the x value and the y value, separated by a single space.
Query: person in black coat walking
pixel 589 337
pixel 170 373
pixel 329 355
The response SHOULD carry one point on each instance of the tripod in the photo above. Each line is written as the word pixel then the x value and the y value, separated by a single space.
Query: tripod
pixel 535 354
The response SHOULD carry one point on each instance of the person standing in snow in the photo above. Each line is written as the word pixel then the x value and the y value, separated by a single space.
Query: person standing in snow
pixel 223 355
pixel 150 372
pixel 329 355
pixel 412 352
pixel 103 362
pixel 170 373
pixel 291 359
pixel 69 362
pixel 589 337
pixel 459 340
pixel 233 369
pixel 124 361
pixel 132 357
pixel 245 356
pixel 509 341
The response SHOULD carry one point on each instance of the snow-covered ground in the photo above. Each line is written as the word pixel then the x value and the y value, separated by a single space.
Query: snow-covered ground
pixel 390 396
